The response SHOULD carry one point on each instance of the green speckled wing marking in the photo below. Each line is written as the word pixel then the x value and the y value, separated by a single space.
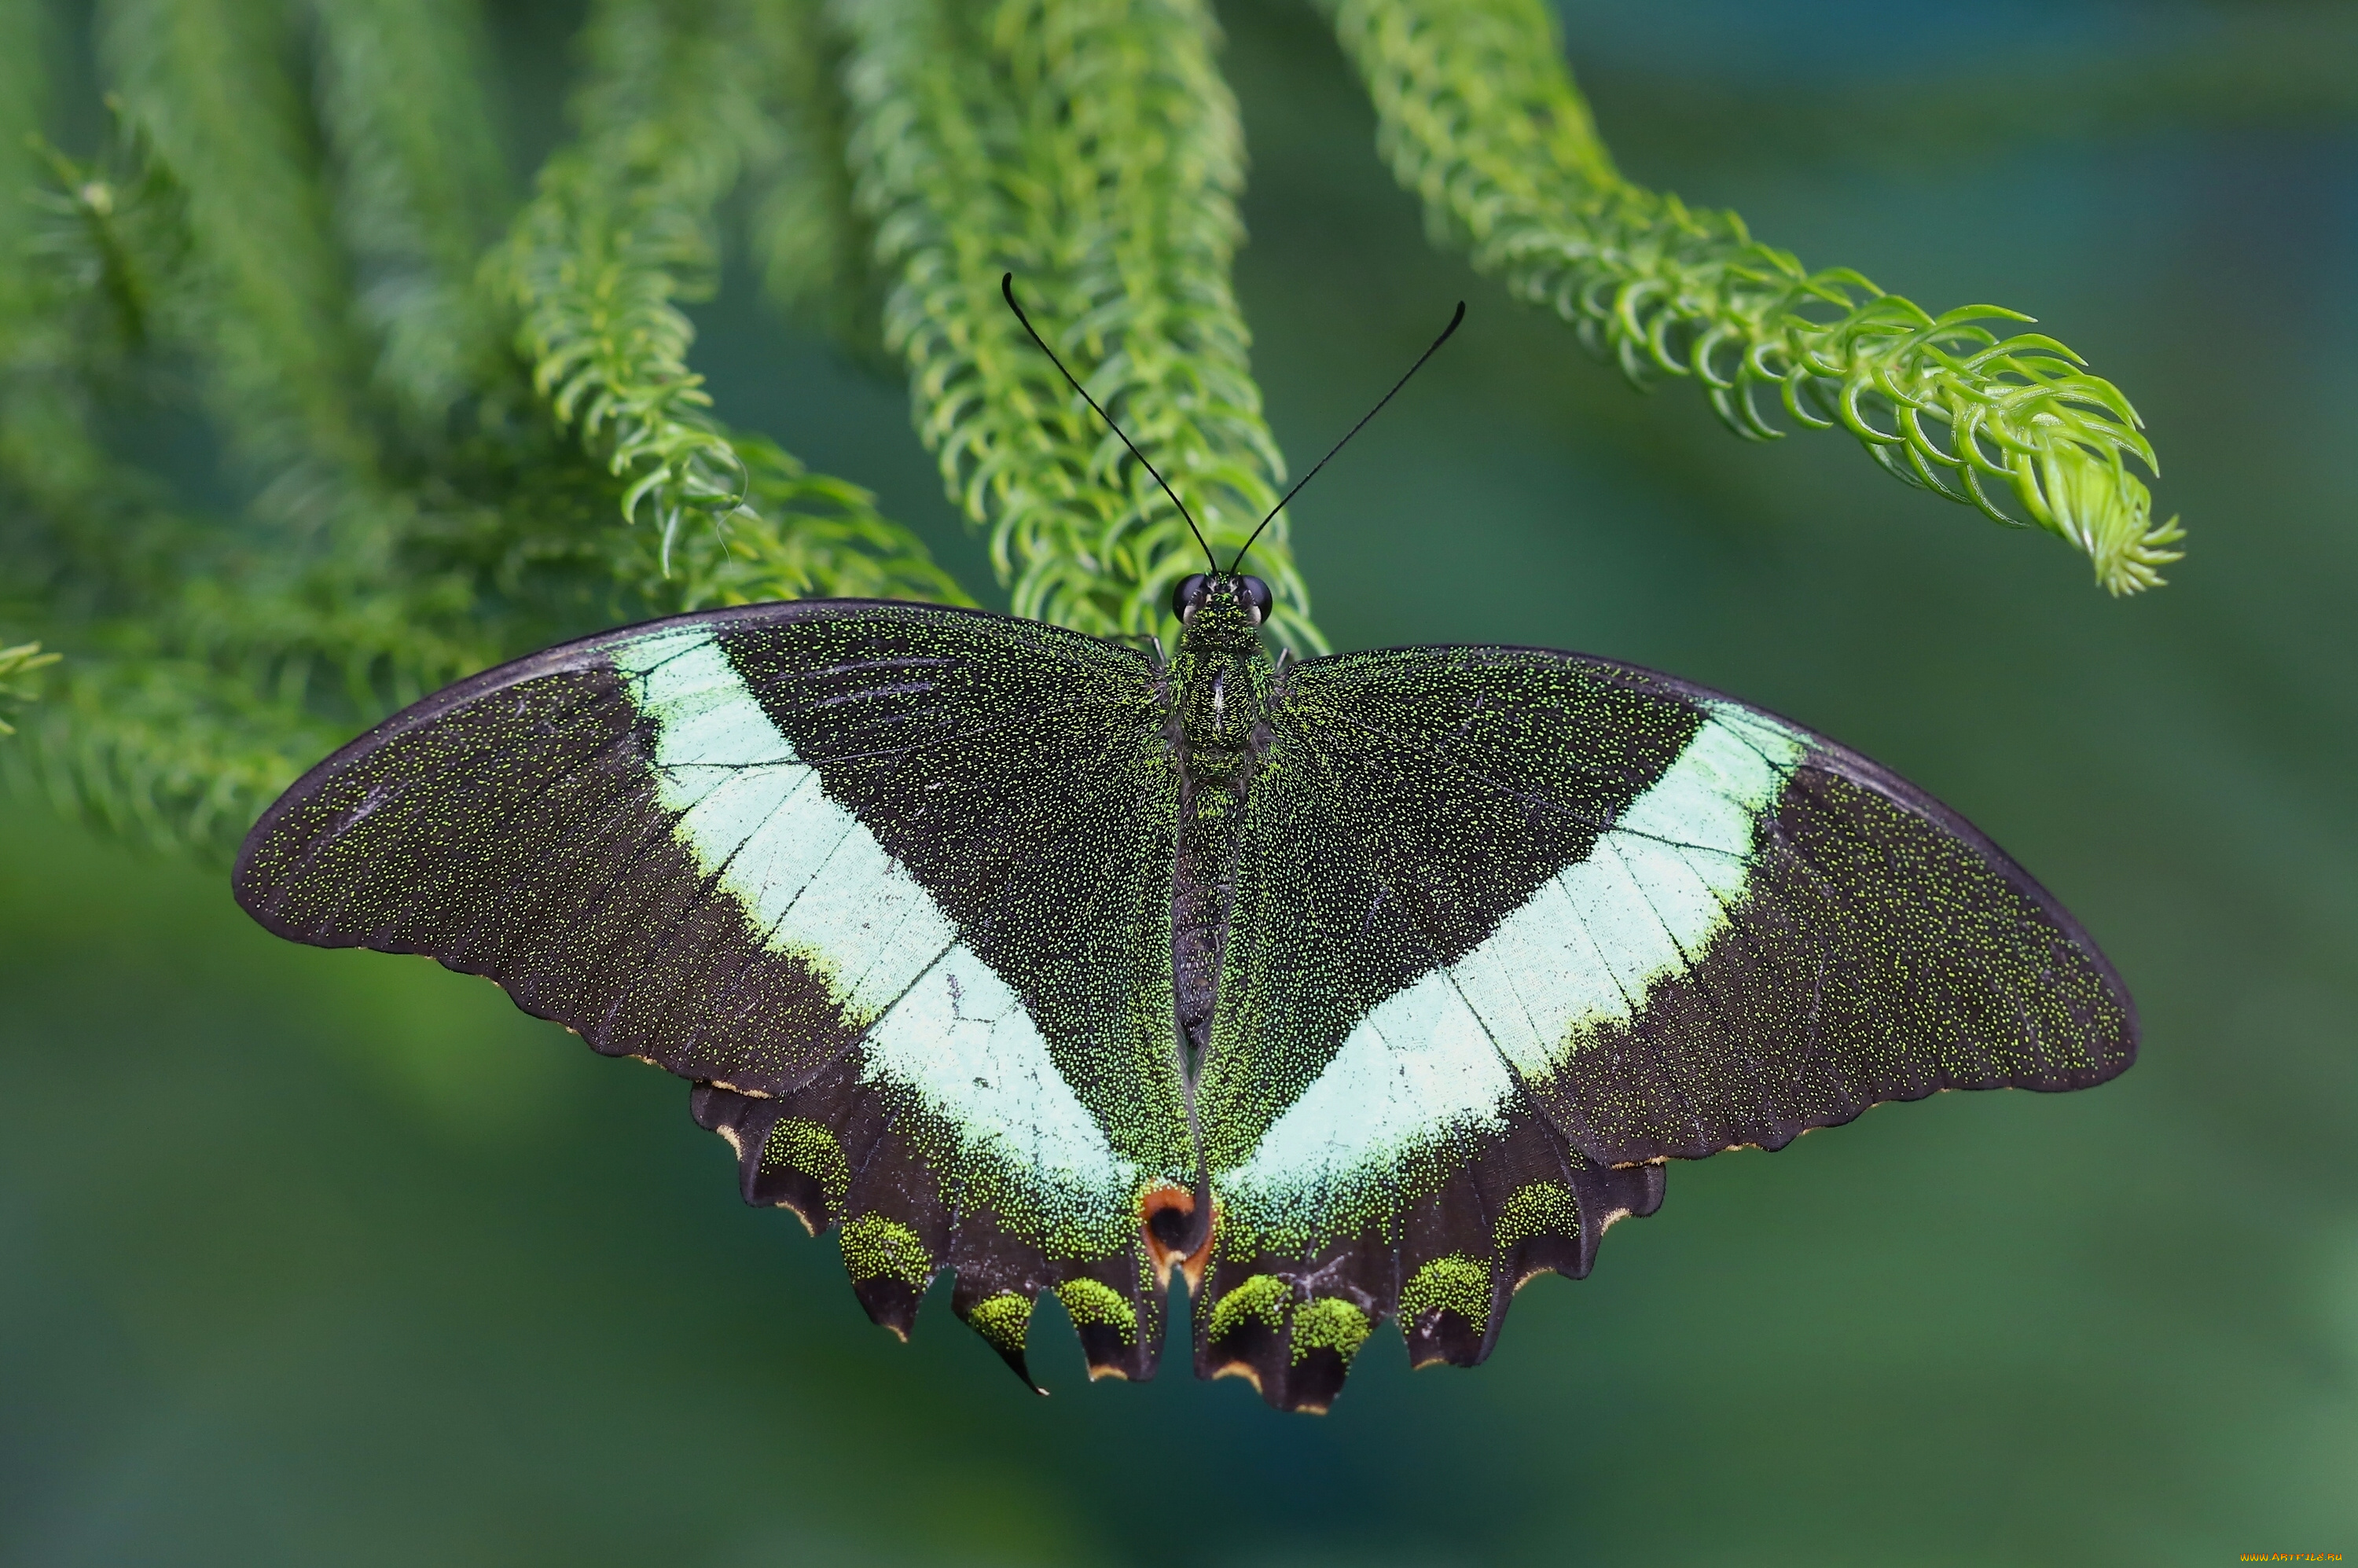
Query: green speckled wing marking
pixel 1511 926
pixel 891 883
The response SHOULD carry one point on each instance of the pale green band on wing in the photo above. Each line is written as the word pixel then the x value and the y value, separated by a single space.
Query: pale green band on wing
pixel 812 877
pixel 1584 949
pixel 807 871
pixel 1429 1066
pixel 1415 1072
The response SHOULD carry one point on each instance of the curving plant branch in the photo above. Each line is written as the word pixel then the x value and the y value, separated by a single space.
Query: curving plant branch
pixel 620 226
pixel 1090 147
pixel 170 753
pixel 17 665
pixel 419 191
pixel 255 290
pixel 194 650
pixel 1479 115
pixel 624 224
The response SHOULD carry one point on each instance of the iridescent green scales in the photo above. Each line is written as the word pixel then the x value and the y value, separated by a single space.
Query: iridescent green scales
pixel 875 1247
pixel 1543 1208
pixel 809 1149
pixel 1454 1283
pixel 1256 1298
pixel 1003 1320
pixel 1096 1305
pixel 1333 993
pixel 1327 1323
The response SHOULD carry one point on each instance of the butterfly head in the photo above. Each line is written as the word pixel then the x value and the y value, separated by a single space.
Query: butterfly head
pixel 1232 592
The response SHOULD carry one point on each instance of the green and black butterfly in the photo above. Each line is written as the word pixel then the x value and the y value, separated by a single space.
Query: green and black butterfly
pixel 1360 987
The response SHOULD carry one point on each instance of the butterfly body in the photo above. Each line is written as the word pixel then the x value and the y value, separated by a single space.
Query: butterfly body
pixel 1218 687
pixel 1353 989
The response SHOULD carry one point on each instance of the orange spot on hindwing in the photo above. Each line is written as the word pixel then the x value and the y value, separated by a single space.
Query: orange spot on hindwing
pixel 1177 1229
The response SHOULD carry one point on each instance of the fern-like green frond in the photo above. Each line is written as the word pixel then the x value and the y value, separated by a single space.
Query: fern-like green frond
pixel 418 187
pixel 17 687
pixel 23 105
pixel 1091 148
pixel 104 241
pixel 206 85
pixel 95 248
pixel 620 226
pixel 813 246
pixel 316 585
pixel 168 753
pixel 321 627
pixel 624 225
pixel 1479 115
pixel 799 535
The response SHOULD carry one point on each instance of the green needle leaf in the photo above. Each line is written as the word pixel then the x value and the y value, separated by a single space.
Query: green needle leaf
pixel 16 664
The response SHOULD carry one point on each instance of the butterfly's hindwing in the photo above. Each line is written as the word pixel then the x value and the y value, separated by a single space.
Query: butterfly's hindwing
pixel 897 878
pixel 1026 785
pixel 1498 907
pixel 1457 1230
pixel 1372 854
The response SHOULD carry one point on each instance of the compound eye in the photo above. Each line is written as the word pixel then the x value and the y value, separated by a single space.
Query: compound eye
pixel 1190 594
pixel 1258 600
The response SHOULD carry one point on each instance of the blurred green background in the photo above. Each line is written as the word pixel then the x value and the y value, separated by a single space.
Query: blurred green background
pixel 335 1258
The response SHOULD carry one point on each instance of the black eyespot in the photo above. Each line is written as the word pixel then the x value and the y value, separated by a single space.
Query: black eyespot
pixel 1190 594
pixel 1258 599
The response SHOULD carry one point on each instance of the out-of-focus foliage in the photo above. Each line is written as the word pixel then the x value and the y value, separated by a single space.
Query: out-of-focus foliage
pixel 453 446
pixel 447 408
pixel 17 665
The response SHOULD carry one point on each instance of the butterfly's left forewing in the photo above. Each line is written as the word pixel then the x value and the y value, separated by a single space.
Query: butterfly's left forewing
pixel 891 883
pixel 1512 925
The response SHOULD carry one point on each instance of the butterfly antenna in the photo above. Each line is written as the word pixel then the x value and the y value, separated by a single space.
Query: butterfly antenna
pixel 1007 287
pixel 1353 430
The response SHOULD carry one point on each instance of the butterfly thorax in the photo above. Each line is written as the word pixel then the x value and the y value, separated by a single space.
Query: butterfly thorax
pixel 1218 688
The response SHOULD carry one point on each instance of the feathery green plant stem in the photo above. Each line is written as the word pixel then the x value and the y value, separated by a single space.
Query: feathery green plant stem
pixel 624 224
pixel 261 301
pixel 24 100
pixel 173 753
pixel 169 721
pixel 1479 115
pixel 15 664
pixel 1090 147
pixel 419 188
pixel 205 84
pixel 811 245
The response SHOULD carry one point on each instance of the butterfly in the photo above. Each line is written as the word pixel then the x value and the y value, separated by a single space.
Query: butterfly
pixel 1357 988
